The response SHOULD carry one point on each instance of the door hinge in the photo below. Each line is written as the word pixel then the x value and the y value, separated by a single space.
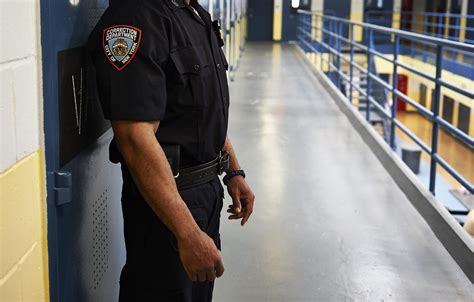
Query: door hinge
pixel 62 187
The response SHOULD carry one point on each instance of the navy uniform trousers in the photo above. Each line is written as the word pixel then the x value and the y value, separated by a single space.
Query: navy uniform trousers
pixel 153 270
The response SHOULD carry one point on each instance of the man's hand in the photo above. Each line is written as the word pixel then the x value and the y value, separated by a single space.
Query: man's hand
pixel 242 198
pixel 200 257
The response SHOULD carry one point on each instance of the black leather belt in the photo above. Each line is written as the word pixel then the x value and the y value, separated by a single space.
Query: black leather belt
pixel 194 176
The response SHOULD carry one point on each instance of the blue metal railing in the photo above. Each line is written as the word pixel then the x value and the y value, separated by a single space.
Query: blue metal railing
pixel 325 36
pixel 442 25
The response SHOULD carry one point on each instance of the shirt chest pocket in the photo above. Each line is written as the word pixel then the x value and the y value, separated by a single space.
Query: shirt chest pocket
pixel 194 77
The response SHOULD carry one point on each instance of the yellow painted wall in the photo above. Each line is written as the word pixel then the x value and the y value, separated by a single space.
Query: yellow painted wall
pixel 463 23
pixel 23 247
pixel 277 19
pixel 397 8
pixel 357 15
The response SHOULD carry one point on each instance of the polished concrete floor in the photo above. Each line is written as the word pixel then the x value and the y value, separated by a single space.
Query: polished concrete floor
pixel 329 223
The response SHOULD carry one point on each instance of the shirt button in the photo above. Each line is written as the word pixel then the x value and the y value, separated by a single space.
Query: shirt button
pixel 196 67
pixel 218 66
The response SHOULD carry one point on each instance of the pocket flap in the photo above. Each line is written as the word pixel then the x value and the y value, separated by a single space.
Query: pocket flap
pixel 188 60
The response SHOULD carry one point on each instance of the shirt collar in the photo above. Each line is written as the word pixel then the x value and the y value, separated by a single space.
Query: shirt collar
pixel 178 4
pixel 202 12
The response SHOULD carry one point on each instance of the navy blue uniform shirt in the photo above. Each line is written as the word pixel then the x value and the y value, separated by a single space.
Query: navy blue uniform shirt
pixel 161 60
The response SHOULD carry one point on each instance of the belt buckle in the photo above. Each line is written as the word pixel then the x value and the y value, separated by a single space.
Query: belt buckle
pixel 223 162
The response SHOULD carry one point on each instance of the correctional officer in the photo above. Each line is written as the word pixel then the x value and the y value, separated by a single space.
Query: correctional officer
pixel 161 80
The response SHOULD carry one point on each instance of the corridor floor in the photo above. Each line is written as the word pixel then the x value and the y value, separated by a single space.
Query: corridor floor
pixel 329 222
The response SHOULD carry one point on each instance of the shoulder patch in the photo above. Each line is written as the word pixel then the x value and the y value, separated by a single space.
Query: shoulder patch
pixel 121 43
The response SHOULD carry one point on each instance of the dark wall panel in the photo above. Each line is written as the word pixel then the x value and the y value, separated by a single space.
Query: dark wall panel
pixel 260 20
pixel 448 109
pixel 339 8
pixel 289 21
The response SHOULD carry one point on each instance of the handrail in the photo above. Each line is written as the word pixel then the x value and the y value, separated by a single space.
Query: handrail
pixel 446 25
pixel 326 38
pixel 428 14
pixel 400 33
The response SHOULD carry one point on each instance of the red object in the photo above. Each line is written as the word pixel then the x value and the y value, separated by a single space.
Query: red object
pixel 402 86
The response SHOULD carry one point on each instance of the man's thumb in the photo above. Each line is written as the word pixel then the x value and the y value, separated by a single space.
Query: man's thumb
pixel 236 203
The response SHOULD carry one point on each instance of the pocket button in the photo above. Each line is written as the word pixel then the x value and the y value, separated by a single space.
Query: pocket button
pixel 197 67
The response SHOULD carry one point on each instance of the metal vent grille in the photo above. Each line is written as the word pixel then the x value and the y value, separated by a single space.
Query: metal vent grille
pixel 100 238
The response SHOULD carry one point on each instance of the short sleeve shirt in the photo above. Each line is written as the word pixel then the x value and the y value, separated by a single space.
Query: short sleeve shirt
pixel 161 60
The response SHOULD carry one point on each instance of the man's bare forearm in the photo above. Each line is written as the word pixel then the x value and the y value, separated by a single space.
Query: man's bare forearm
pixel 152 174
pixel 234 163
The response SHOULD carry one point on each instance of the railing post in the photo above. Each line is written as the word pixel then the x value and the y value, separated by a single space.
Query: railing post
pixel 303 32
pixel 437 100
pixel 339 53
pixel 426 28
pixel 440 30
pixel 310 30
pixel 321 43
pixel 396 50
pixel 297 30
pixel 369 71
pixel 351 67
pixel 330 44
pixel 308 33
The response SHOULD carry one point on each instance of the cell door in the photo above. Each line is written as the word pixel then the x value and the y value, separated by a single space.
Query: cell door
pixel 448 109
pixel 423 92
pixel 340 9
pixel 260 20
pixel 464 118
pixel 85 246
pixel 378 12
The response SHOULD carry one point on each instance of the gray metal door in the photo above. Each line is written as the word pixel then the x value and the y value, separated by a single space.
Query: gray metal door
pixel 86 250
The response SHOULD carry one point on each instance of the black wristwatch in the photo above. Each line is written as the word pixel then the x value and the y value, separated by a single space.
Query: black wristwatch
pixel 231 174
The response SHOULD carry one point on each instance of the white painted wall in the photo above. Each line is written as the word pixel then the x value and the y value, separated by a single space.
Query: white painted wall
pixel 20 81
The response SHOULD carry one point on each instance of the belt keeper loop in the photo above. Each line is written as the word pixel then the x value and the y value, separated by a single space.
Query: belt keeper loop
pixel 223 162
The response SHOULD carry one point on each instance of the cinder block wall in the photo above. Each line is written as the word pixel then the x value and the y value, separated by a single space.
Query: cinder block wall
pixel 23 248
